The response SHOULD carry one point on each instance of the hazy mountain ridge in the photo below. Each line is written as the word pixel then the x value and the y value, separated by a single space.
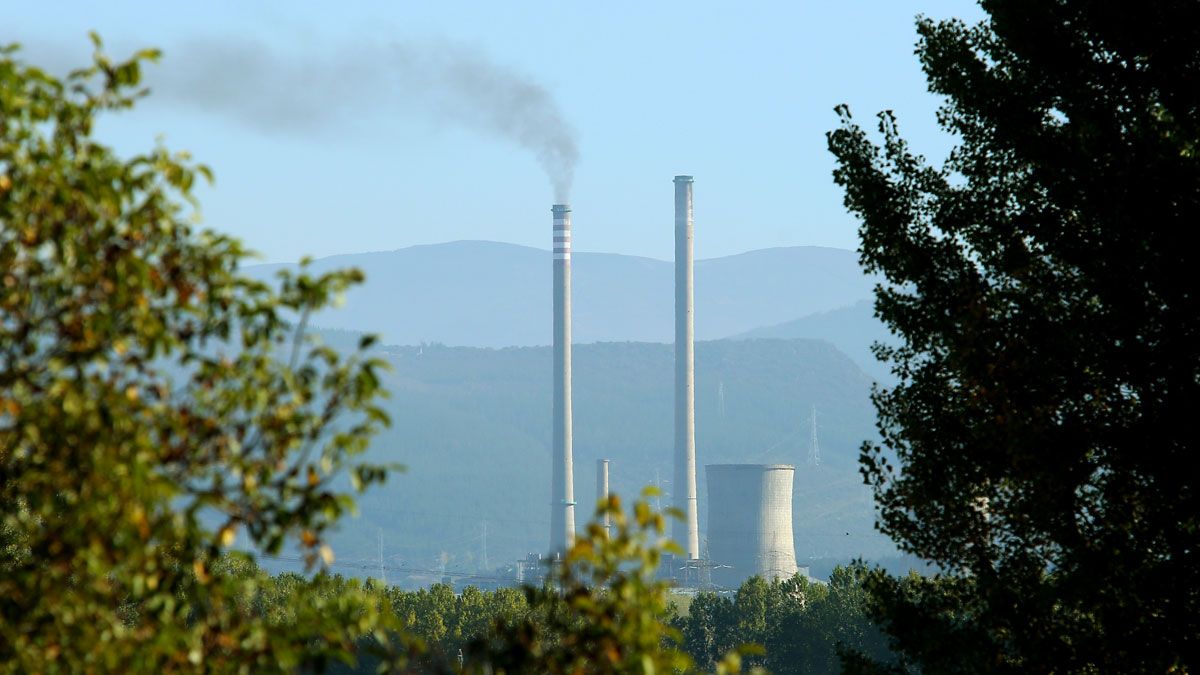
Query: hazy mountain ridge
pixel 490 294
pixel 852 329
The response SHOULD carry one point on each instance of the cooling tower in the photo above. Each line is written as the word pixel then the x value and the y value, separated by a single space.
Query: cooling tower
pixel 562 490
pixel 750 522
pixel 686 532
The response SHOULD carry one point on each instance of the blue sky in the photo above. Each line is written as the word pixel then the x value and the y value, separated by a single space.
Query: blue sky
pixel 737 94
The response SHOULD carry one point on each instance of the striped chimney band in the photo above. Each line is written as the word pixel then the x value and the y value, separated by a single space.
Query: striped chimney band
pixel 562 231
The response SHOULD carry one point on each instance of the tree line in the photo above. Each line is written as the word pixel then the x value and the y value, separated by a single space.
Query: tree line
pixel 795 625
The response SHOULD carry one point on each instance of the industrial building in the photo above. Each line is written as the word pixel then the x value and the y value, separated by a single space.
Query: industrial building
pixel 750 522
pixel 749 505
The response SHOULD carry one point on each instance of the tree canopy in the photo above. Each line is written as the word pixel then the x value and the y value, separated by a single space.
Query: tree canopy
pixel 603 609
pixel 155 407
pixel 1038 445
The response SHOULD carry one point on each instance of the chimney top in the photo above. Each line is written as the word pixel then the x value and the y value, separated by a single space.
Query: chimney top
pixel 683 179
pixel 560 208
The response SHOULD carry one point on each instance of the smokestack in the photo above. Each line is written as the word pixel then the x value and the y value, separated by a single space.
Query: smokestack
pixel 602 488
pixel 687 532
pixel 562 507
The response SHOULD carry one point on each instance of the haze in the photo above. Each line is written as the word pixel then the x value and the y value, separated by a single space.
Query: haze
pixel 344 151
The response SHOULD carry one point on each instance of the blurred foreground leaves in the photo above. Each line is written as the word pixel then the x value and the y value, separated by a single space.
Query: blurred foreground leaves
pixel 1039 444
pixel 602 609
pixel 155 408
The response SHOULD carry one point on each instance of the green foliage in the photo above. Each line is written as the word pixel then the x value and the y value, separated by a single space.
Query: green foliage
pixel 602 609
pixel 142 396
pixel 710 629
pixel 1040 441
pixel 446 623
pixel 803 626
pixel 610 616
pixel 799 626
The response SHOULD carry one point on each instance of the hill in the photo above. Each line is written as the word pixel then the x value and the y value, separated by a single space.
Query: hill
pixel 852 329
pixel 488 294
pixel 473 427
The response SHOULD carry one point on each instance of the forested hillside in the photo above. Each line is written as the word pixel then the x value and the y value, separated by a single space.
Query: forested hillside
pixel 852 329
pixel 473 428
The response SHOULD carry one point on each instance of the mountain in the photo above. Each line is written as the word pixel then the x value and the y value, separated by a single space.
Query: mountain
pixel 472 425
pixel 851 329
pixel 488 294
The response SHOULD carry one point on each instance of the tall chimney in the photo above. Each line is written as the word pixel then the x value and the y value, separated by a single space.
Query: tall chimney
pixel 602 488
pixel 562 491
pixel 687 532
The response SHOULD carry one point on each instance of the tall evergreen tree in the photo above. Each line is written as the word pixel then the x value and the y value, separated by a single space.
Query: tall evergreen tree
pixel 1038 445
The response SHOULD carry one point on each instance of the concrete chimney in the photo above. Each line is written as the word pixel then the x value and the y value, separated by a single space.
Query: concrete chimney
pixel 602 488
pixel 687 532
pixel 562 490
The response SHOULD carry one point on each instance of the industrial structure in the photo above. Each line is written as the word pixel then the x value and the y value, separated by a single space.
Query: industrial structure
pixel 602 490
pixel 749 505
pixel 685 532
pixel 814 447
pixel 750 521
pixel 562 489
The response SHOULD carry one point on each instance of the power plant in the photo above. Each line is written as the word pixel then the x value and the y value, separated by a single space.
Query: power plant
pixel 750 521
pixel 686 532
pixel 749 505
pixel 562 489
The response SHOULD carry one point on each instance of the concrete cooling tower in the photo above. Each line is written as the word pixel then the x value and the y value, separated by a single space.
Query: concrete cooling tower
pixel 750 522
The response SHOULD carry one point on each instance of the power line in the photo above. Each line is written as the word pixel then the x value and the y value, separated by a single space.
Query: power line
pixel 485 557
pixel 370 565
pixel 437 515
pixel 814 449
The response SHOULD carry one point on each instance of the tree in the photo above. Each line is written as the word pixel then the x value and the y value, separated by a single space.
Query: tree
pixel 602 609
pixel 1038 445
pixel 835 624
pixel 155 405
pixel 710 629
pixel 803 626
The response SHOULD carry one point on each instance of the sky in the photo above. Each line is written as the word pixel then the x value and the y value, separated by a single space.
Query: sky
pixel 369 126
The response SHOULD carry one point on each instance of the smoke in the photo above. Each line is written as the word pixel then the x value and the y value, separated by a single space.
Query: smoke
pixel 449 84
pixel 463 87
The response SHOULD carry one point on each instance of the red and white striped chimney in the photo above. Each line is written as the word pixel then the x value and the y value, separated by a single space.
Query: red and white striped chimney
pixel 562 507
